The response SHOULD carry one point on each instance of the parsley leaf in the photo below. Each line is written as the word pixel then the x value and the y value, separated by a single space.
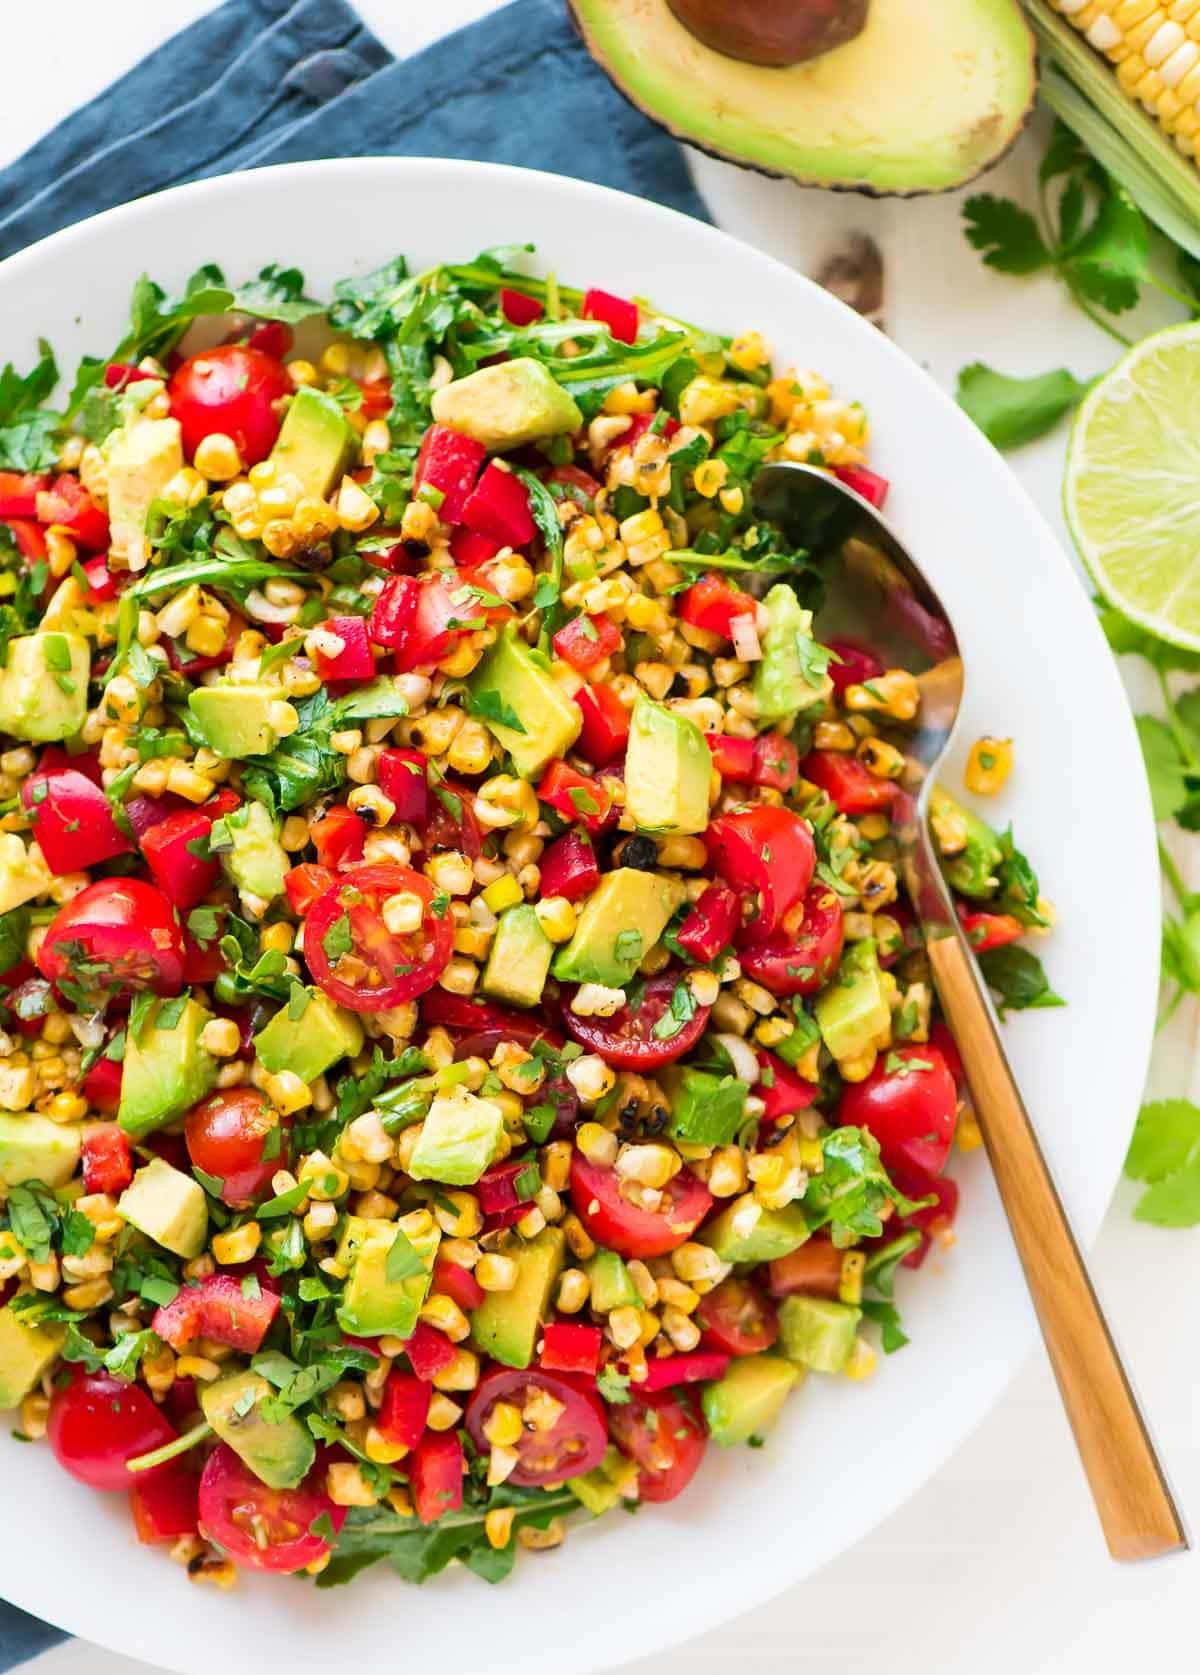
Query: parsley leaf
pixel 490 706
pixel 1011 411
pixel 1006 235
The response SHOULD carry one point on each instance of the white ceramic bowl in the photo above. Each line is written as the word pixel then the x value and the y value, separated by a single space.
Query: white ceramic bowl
pixel 845 1454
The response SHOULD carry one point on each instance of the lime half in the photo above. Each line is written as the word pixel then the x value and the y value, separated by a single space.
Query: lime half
pixel 1132 488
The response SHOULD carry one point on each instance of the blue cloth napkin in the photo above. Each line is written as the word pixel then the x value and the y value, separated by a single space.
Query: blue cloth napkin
pixel 265 81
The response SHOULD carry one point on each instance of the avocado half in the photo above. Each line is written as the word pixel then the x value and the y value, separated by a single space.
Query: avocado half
pixel 928 95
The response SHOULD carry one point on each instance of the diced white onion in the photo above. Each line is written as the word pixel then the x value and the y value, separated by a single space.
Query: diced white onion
pixel 747 647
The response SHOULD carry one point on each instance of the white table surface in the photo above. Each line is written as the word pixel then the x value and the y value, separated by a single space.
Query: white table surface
pixel 997 1564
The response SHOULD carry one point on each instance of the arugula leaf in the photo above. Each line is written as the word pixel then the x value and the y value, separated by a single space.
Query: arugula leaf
pixel 33 1218
pixel 490 705
pixel 28 434
pixel 852 1188
pixel 1017 980
pixel 1011 411
pixel 14 931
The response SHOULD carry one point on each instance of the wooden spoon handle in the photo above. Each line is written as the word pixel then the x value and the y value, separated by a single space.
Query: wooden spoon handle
pixel 1135 1505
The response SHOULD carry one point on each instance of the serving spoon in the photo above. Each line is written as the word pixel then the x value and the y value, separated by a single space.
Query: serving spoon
pixel 876 593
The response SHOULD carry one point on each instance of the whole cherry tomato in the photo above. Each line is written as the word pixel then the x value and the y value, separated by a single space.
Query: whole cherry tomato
pixel 233 391
pixel 908 1103
pixel 227 1136
pixel 117 934
pixel 98 1422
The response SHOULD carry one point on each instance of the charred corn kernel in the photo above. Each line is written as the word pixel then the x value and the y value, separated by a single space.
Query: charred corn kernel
pixel 859 1068
pixel 651 1165
pixel 648 616
pixel 727 1172
pixel 205 635
pixel 91 1294
pixel 498 1526
pixel 444 1313
pixel 557 916
pixel 968 1136
pixel 461 1374
pixel 380 1448
pixel 185 782
pixel 590 1077
pixel 880 758
pixel 698 1264
pixel 34 1412
pixel 470 749
pixel 988 766
pixel 324 1179
pixel 536 1540
pixel 239 1244
pixel 460 977
pixel 376 439
pixel 287 1091
pixel 625 1326
pixel 505 892
pixel 596 1000
pixel 733 499
pixel 504 802
pixel 682 1331
pixel 503 1427
pixel 496 1273
pixel 356 510
pixel 444 1414
pixel 598 1145
pixel 863 1360
pixel 67 1107
pixel 346 1486
pixel 216 457
pixel 894 693
pixel 850 1285
pixel 573 1291
pixel 197 1366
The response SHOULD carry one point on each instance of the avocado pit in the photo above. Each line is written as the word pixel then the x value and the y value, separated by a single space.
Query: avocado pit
pixel 772 33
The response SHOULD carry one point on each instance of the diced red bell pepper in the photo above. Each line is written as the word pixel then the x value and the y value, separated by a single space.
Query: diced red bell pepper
pixel 72 820
pixel 781 1090
pixel 436 1468
pixel 425 621
pixel 217 1307
pixel 404 1409
pixel 395 610
pixel 989 930
pixel 869 484
pixel 429 1351
pixel 119 374
pixel 18 493
pixel 69 504
pixel 776 761
pixel 457 1282
pixel 712 603
pixel 711 923
pixel 102 1090
pixel 404 781
pixel 356 660
pixel 102 584
pixel 568 1347
pixel 175 853
pixel 518 309
pixel 733 758
pixel 450 463
pixel 377 397
pixel 853 664
pixel 848 783
pixel 694 1367
pixel 273 337
pixel 568 867
pixel 581 801
pixel 588 640
pixel 338 837
pixel 469 549
pixel 107 1158
pixel 617 313
pixel 605 731
pixel 30 538
pixel 164 1503
pixel 506 1190
pixel 303 884
pixel 499 506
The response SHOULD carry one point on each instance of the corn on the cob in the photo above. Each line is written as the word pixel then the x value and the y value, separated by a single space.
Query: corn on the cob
pixel 1156 48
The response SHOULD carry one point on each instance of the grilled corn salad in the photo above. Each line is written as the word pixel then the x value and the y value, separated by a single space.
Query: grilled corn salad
pixel 464 1044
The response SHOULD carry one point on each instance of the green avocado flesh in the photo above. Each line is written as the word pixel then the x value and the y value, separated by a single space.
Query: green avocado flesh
pixel 929 94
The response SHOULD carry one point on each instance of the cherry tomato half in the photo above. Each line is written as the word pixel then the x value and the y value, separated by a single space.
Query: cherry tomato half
pixel 227 1135
pixel 233 391
pixel 630 1040
pixel 573 1444
pixel 452 823
pixel 97 1422
pixel 803 963
pixel 627 1228
pixel 668 1446
pixel 353 955
pixel 261 1528
pixel 908 1103
pixel 118 934
pixel 765 849
pixel 737 1317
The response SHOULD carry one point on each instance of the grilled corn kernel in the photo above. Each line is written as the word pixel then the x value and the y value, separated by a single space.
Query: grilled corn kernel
pixel 988 766
pixel 880 758
pixel 216 458
pixel 504 892
pixel 346 1486
pixel 496 1273
pixel 863 1360
pixel 237 1245
pixel 444 1414
pixel 503 1427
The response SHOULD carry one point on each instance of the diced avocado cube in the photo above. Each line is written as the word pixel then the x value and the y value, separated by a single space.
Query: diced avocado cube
pixel 236 720
pixel 706 1109
pixel 514 681
pixel 613 1479
pixel 310 1043
pixel 668 770
pixel 817 1332
pixel 748 1400
pixel 23 872
pixel 166 1070
pixel 746 1232
pixel 279 1451
pixel 25 1354
pixel 506 1324
pixel 609 1284
pixel 168 1207
pixel 142 456
pixel 507 405
pixel 458 1139
pixel 519 958
pixel 790 675
pixel 853 1014
pixel 390 1264
pixel 972 871
pixel 32 1148
pixel 44 686
pixel 621 921
pixel 315 443
pixel 258 862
